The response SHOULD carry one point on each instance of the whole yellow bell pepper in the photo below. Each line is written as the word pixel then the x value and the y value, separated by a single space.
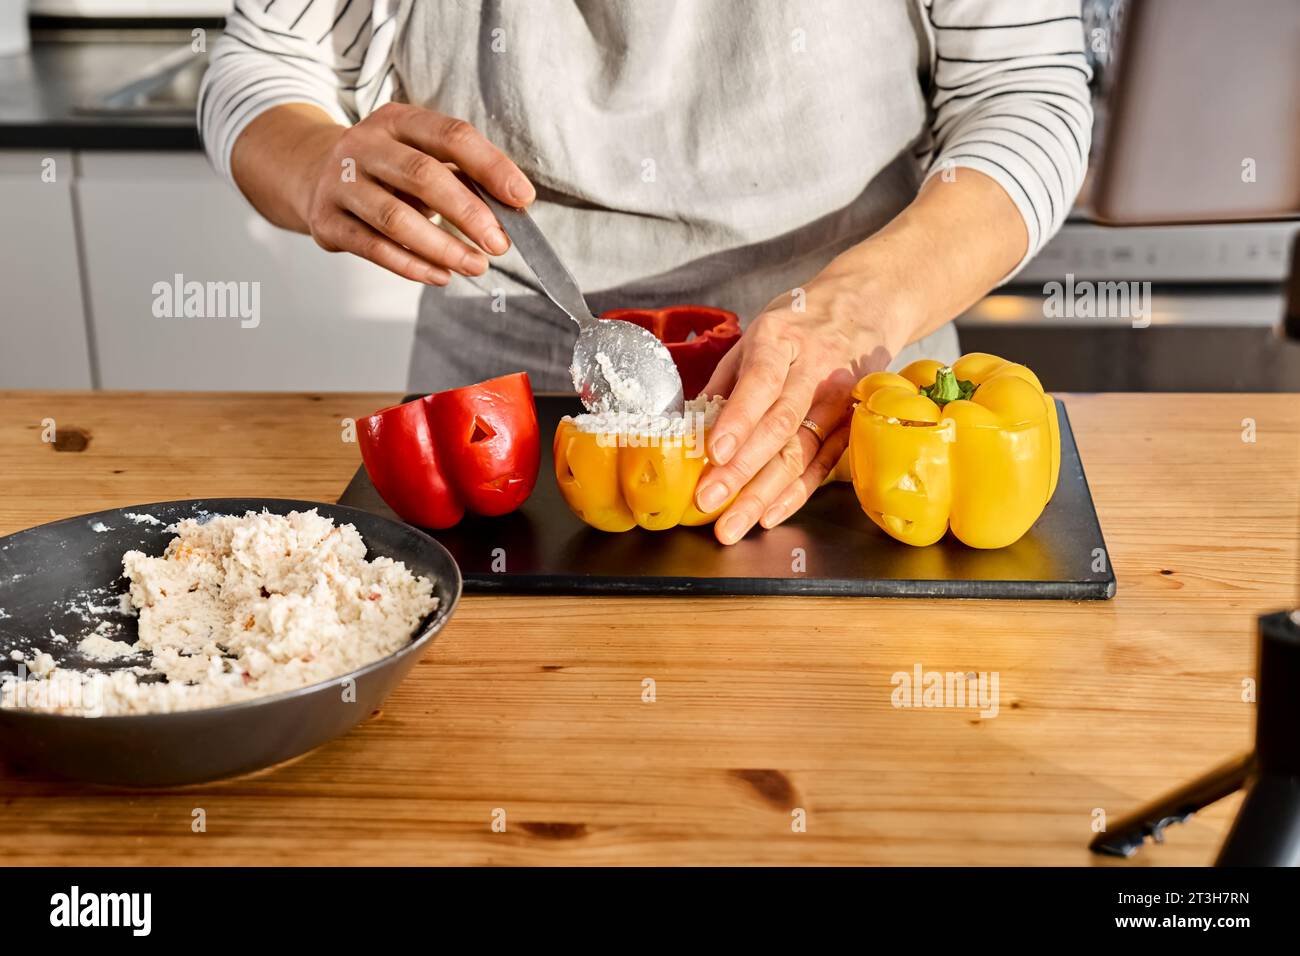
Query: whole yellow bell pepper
pixel 615 483
pixel 975 448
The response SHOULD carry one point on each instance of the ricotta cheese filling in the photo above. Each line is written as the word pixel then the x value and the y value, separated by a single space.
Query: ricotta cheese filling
pixel 237 608
pixel 698 414
pixel 626 392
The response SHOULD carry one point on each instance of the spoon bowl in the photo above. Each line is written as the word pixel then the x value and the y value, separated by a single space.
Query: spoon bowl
pixel 621 367
pixel 617 366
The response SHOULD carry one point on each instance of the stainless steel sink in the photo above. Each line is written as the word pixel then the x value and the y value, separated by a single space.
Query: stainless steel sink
pixel 167 87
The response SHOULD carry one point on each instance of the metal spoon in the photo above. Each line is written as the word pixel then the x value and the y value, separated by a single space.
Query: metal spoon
pixel 617 366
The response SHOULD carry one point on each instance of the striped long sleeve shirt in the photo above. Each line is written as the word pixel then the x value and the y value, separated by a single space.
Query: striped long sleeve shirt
pixel 715 150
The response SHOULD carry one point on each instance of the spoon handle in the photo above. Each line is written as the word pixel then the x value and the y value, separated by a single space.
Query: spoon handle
pixel 556 280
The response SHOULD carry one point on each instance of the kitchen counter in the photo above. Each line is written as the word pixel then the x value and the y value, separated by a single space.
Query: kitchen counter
pixel 763 707
pixel 41 91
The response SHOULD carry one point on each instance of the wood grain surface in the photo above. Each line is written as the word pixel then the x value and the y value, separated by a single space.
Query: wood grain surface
pixel 766 711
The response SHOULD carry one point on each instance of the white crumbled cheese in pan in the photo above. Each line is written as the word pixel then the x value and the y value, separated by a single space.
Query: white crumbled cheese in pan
pixel 42 665
pixel 698 411
pixel 238 608
pixel 100 648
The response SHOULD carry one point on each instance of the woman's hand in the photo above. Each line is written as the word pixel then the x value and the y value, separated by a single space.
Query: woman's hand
pixel 370 189
pixel 801 357
pixel 798 360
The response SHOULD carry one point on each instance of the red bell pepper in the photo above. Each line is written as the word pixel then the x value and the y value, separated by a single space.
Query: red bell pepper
pixel 468 449
pixel 697 337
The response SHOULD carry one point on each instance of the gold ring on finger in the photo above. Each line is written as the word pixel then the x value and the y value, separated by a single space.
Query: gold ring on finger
pixel 813 427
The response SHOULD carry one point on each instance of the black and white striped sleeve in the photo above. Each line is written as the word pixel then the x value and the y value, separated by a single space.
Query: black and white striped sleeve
pixel 1010 98
pixel 335 54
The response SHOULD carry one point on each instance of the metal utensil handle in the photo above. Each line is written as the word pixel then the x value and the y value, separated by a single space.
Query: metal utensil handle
pixel 556 280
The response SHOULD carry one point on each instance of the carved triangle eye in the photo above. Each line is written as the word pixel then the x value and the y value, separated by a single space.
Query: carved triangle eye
pixel 911 482
pixel 482 431
pixel 648 473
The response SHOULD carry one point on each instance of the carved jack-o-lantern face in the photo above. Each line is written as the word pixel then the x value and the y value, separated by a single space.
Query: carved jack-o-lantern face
pixel 488 438
pixel 616 483
pixel 974 448
pixel 475 448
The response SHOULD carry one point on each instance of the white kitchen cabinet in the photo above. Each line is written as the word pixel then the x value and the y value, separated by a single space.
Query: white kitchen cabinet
pixel 43 342
pixel 325 321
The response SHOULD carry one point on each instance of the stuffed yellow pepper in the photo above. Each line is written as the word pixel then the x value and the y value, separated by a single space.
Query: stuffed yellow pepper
pixel 617 480
pixel 975 448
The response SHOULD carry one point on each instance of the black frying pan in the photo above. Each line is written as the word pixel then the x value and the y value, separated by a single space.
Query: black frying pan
pixel 43 568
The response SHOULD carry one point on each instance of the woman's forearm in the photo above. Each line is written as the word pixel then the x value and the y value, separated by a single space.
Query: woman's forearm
pixel 277 159
pixel 939 256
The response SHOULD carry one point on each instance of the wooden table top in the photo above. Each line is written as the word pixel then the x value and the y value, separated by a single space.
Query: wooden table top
pixel 768 713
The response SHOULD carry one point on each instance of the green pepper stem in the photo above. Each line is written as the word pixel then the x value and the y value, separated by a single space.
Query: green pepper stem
pixel 945 388
pixel 948 387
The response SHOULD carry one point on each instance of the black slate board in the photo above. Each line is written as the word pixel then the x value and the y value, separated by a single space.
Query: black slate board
pixel 545 548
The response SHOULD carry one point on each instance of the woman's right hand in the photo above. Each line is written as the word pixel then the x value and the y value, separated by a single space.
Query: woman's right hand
pixel 370 189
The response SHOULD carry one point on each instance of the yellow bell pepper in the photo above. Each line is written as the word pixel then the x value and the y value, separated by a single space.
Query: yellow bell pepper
pixel 615 484
pixel 975 448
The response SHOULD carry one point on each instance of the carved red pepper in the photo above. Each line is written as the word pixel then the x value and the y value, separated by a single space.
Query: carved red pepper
pixel 697 337
pixel 468 449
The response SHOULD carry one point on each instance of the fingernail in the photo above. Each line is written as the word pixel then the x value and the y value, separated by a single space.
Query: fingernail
pixel 520 190
pixel 711 496
pixel 773 516
pixel 733 528
pixel 437 276
pixel 472 263
pixel 496 240
pixel 723 446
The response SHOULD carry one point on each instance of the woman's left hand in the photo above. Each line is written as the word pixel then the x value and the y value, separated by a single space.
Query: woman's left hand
pixel 797 361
